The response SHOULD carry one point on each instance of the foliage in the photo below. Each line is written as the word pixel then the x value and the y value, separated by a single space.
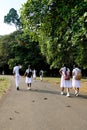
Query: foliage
pixel 60 26
pixel 4 50
pixel 18 47
pixel 53 32
pixel 12 18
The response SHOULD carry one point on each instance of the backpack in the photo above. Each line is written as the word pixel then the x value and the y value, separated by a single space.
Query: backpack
pixel 66 76
pixel 78 76
pixel 29 74
pixel 40 73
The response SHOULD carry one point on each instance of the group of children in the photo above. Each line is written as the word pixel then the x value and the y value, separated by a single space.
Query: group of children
pixel 28 74
pixel 65 78
pixel 67 83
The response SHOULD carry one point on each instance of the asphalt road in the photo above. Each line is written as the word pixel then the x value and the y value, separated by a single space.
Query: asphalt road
pixel 42 108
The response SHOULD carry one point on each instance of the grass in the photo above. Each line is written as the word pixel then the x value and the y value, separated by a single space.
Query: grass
pixel 84 85
pixel 4 85
pixel 52 80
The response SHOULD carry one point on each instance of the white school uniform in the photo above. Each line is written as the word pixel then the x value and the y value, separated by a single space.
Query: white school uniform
pixel 65 83
pixel 17 75
pixel 75 83
pixel 41 75
pixel 28 79
pixel 34 74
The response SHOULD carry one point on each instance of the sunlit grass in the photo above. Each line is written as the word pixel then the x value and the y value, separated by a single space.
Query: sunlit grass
pixel 83 85
pixel 52 80
pixel 4 85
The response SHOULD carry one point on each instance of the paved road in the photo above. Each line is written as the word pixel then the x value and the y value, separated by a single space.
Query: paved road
pixel 42 108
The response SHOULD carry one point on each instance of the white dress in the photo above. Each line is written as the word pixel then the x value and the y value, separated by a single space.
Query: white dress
pixel 41 75
pixel 28 79
pixel 75 83
pixel 65 83
pixel 34 74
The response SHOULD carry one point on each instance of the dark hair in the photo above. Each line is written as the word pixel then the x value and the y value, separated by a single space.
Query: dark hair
pixel 75 65
pixel 63 65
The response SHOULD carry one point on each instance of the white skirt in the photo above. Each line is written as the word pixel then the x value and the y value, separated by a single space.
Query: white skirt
pixel 65 83
pixel 76 83
pixel 34 75
pixel 28 80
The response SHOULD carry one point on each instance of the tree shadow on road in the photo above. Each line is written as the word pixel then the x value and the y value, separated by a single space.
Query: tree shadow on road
pixel 41 91
pixel 46 91
pixel 82 96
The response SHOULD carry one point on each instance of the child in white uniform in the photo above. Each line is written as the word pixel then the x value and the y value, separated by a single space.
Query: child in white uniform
pixel 17 75
pixel 76 83
pixel 65 83
pixel 28 74
pixel 34 74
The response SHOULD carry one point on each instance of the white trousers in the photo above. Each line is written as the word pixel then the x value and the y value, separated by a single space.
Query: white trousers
pixel 41 77
pixel 17 81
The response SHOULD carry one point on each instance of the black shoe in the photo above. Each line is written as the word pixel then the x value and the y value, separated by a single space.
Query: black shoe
pixel 17 88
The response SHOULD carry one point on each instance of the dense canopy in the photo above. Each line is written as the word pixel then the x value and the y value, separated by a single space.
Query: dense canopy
pixel 60 26
pixel 50 32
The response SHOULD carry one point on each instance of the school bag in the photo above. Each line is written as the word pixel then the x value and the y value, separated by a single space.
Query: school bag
pixel 40 73
pixel 66 76
pixel 29 74
pixel 79 75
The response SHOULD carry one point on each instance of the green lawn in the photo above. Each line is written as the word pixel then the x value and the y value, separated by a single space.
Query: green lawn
pixel 52 80
pixel 4 85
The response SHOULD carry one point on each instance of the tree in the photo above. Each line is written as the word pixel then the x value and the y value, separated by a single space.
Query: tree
pixel 13 18
pixel 4 51
pixel 30 52
pixel 18 47
pixel 60 27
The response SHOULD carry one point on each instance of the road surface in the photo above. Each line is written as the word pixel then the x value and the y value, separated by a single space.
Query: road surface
pixel 42 108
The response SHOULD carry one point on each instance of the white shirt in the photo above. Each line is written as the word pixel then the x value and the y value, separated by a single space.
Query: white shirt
pixel 28 70
pixel 64 70
pixel 75 71
pixel 16 70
